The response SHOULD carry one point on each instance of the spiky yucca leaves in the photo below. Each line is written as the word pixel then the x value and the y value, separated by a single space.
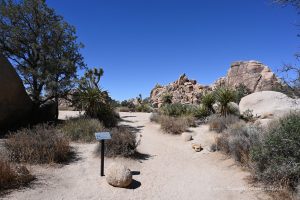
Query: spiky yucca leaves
pixel 224 96
pixel 208 101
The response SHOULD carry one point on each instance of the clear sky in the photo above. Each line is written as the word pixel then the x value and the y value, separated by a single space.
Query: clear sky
pixel 143 42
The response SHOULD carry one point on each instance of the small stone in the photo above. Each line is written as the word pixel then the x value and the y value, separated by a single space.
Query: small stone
pixel 197 147
pixel 186 137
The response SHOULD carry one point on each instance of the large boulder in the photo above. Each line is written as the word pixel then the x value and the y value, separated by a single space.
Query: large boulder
pixel 269 104
pixel 254 75
pixel 118 175
pixel 15 104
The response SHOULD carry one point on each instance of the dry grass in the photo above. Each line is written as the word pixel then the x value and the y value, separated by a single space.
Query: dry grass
pixel 12 176
pixel 155 117
pixel 82 129
pixel 174 125
pixel 123 143
pixel 41 144
pixel 220 123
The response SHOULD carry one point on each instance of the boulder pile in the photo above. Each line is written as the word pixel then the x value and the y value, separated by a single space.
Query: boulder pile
pixel 254 75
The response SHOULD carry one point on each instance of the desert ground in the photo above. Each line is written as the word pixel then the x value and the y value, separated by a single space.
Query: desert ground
pixel 168 168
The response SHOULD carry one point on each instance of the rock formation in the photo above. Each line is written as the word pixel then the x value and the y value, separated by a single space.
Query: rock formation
pixel 254 75
pixel 15 104
pixel 183 91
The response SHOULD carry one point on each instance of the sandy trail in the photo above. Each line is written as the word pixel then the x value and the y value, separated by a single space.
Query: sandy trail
pixel 170 170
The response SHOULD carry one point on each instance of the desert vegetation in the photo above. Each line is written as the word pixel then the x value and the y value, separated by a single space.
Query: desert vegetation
pixel 41 144
pixel 271 153
pixel 82 129
pixel 123 143
pixel 217 107
pixel 13 176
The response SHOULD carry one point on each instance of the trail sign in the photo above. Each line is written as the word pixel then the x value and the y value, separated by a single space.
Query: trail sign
pixel 101 136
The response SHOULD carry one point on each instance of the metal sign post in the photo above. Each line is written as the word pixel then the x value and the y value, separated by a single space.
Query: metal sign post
pixel 101 136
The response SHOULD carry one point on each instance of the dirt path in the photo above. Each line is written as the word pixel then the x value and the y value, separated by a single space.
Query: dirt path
pixel 170 170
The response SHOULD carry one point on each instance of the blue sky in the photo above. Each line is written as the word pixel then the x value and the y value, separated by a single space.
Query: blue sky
pixel 143 42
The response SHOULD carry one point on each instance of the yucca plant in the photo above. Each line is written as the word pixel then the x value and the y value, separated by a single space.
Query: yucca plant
pixel 224 96
pixel 208 101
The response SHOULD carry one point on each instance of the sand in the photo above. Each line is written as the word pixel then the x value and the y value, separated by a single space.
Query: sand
pixel 170 169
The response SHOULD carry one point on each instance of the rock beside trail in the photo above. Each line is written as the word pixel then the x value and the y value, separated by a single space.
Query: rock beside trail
pixel 269 104
pixel 186 137
pixel 118 175
pixel 15 104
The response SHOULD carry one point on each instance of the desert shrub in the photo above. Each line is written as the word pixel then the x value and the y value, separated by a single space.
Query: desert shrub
pixel 82 129
pixel 241 91
pixel 190 120
pixel 219 123
pixel 248 115
pixel 155 117
pixel 143 108
pixel 123 109
pixel 201 112
pixel 12 176
pixel 123 143
pixel 41 144
pixel 173 125
pixel 238 139
pixel 277 157
pixel 167 98
pixel 177 109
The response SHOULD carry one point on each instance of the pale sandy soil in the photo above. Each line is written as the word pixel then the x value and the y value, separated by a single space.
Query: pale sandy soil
pixel 172 170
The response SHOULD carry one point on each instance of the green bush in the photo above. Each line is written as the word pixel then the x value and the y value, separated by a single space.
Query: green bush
pixel 277 157
pixel 167 98
pixel 173 125
pixel 107 115
pixel 41 144
pixel 201 112
pixel 123 143
pixel 82 129
pixel 241 91
pixel 177 109
pixel 220 123
pixel 143 108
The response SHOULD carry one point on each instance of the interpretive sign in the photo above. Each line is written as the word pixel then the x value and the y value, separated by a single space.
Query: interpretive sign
pixel 102 136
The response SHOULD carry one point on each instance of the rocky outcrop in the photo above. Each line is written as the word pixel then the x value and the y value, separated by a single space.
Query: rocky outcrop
pixel 184 90
pixel 15 104
pixel 254 75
